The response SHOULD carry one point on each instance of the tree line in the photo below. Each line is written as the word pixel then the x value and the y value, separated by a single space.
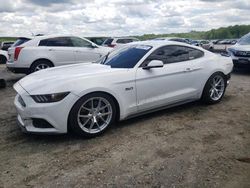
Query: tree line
pixel 231 32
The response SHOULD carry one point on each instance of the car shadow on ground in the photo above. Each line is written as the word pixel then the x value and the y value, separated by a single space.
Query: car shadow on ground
pixel 70 137
pixel 241 71
pixel 165 112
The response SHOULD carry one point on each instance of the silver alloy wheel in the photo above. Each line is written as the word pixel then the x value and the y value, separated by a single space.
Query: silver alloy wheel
pixel 94 115
pixel 41 66
pixel 217 88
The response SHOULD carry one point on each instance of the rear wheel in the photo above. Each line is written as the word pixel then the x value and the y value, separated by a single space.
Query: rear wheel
pixel 92 115
pixel 3 59
pixel 214 89
pixel 40 65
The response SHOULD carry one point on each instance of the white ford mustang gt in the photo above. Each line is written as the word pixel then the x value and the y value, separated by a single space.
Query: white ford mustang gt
pixel 138 78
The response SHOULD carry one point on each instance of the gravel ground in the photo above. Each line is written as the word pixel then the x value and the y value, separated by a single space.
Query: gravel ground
pixel 193 145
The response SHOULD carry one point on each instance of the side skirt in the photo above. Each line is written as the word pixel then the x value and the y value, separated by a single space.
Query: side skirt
pixel 159 108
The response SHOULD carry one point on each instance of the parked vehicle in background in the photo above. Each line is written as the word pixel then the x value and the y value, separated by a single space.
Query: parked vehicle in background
pixel 134 79
pixel 5 45
pixel 174 39
pixel 221 45
pixel 206 44
pixel 195 42
pixel 49 51
pixel 228 42
pixel 240 52
pixel 97 40
pixel 3 57
pixel 117 41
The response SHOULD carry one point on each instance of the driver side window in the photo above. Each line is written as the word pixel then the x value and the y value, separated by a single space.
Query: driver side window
pixel 78 42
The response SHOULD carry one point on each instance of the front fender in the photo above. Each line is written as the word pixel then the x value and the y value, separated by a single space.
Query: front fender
pixel 105 90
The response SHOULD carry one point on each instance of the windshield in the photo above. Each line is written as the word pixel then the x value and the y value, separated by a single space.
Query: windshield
pixel 245 40
pixel 125 57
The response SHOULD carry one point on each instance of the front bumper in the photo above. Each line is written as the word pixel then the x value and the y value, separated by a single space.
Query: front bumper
pixel 241 61
pixel 18 70
pixel 56 114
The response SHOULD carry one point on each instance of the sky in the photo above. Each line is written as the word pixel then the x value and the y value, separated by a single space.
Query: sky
pixel 118 17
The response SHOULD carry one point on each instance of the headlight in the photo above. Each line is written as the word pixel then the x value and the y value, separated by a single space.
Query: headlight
pixel 48 98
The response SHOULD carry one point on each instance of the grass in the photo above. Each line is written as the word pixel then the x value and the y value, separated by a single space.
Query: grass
pixel 7 39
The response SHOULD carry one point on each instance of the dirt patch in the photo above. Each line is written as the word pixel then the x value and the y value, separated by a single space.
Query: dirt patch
pixel 193 145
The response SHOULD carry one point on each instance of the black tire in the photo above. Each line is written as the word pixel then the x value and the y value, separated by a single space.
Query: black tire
pixel 211 49
pixel 206 97
pixel 3 59
pixel 2 83
pixel 38 63
pixel 73 124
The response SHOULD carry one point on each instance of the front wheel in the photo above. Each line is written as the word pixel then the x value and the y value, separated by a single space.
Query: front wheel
pixel 3 59
pixel 214 89
pixel 92 114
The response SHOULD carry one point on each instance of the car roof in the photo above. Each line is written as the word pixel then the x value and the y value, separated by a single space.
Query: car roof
pixel 159 43
pixel 51 36
pixel 168 38
pixel 36 39
pixel 122 38
pixel 24 38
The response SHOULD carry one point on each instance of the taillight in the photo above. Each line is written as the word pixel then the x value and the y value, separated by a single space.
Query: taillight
pixel 17 52
pixel 111 45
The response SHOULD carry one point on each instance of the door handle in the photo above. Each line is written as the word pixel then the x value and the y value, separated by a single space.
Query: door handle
pixel 192 69
pixel 51 49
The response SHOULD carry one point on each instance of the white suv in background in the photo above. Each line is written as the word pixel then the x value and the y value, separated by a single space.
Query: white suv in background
pixel 240 52
pixel 48 51
pixel 3 56
pixel 117 41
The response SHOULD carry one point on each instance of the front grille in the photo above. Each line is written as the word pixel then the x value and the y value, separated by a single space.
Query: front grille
pixel 21 101
pixel 242 53
pixel 241 63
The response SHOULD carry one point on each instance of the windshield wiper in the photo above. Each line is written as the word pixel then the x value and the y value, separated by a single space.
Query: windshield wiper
pixel 105 58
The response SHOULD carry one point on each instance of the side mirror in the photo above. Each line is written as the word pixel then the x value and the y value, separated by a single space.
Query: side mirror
pixel 154 64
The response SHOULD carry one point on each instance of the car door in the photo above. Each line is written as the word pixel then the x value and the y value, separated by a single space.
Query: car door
pixel 85 51
pixel 59 49
pixel 172 83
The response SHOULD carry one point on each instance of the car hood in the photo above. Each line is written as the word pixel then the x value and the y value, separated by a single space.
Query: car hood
pixel 240 47
pixel 61 79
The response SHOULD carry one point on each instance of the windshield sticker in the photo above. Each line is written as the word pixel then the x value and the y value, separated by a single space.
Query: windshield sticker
pixel 143 47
